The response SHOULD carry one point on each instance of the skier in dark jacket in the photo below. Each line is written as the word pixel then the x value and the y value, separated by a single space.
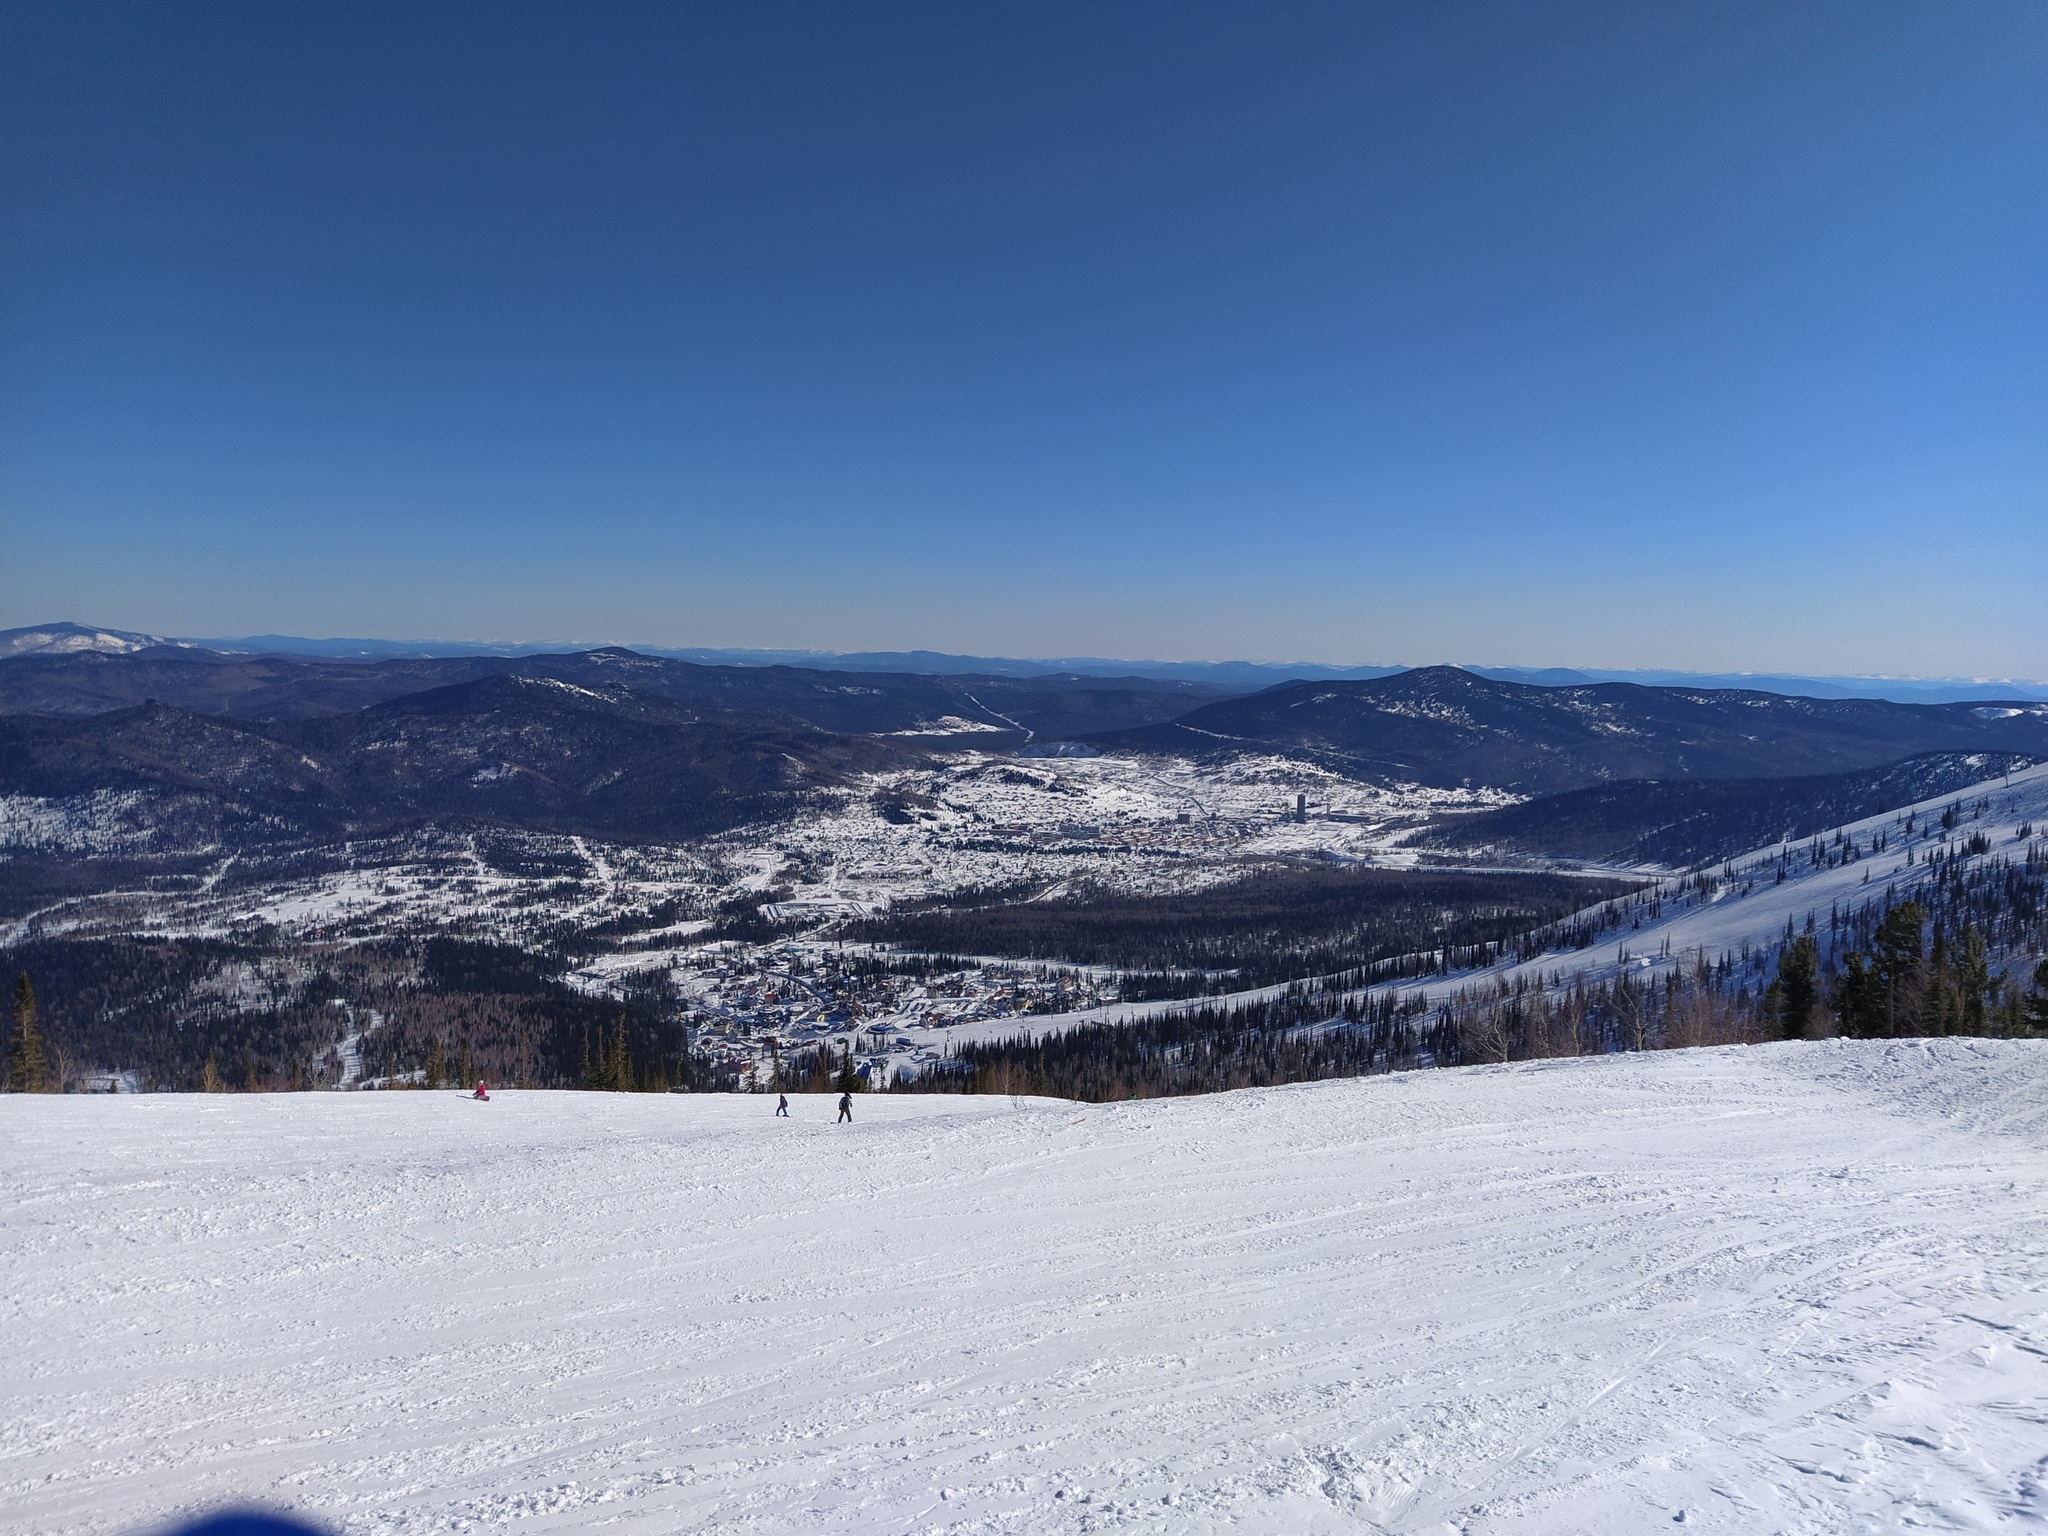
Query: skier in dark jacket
pixel 782 1105
pixel 845 1107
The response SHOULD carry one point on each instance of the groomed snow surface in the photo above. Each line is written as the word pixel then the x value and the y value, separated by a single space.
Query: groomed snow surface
pixel 1791 1288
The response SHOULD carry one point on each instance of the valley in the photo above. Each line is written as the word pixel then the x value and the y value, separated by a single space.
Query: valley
pixel 715 865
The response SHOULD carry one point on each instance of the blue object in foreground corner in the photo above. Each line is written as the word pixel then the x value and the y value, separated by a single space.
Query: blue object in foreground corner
pixel 247 1523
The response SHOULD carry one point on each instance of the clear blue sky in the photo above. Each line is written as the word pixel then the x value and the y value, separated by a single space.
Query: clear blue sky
pixel 1708 336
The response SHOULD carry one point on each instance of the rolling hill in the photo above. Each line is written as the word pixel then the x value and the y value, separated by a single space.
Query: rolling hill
pixel 272 687
pixel 1679 823
pixel 535 753
pixel 1446 726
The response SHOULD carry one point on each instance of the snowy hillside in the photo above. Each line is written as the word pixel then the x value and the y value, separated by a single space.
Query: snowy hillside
pixel 74 640
pixel 1748 906
pixel 1793 1288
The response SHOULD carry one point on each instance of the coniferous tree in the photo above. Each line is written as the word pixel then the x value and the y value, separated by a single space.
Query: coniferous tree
pixel 465 1067
pixel 1973 975
pixel 1899 966
pixel 618 1065
pixel 1885 994
pixel 26 1070
pixel 1858 1000
pixel 1798 986
pixel 436 1063
pixel 1941 991
pixel 2037 1001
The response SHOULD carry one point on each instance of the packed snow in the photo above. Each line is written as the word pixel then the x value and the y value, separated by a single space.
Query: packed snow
pixel 1796 1288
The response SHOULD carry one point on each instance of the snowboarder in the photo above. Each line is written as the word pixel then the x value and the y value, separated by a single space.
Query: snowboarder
pixel 845 1107
pixel 782 1105
pixel 482 1092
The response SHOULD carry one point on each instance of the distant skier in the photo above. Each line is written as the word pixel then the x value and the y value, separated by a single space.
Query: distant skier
pixel 782 1105
pixel 845 1107
pixel 482 1092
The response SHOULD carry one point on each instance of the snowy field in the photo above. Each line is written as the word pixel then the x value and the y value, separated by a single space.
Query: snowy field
pixel 1792 1288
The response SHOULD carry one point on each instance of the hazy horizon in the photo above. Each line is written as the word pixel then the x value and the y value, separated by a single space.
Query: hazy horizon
pixel 1689 338
pixel 327 644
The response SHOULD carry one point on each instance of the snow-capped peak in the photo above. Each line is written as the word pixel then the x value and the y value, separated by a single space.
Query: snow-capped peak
pixel 71 639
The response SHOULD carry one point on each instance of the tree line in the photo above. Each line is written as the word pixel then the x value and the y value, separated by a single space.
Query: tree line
pixel 192 1014
pixel 1277 925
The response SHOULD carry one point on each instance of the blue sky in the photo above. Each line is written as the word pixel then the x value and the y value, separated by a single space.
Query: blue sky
pixel 1703 336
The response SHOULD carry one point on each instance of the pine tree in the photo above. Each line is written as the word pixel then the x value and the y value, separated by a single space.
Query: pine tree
pixel 436 1064
pixel 25 1067
pixel 618 1065
pixel 1899 967
pixel 1973 973
pixel 1858 1000
pixel 465 1069
pixel 1884 997
pixel 2037 1001
pixel 1798 986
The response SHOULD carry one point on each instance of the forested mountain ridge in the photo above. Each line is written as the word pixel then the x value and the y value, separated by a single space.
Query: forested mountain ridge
pixel 1684 823
pixel 528 752
pixel 612 743
pixel 1432 725
pixel 299 687
pixel 1446 726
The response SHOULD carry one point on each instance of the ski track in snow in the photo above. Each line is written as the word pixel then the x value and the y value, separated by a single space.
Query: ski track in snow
pixel 1796 1288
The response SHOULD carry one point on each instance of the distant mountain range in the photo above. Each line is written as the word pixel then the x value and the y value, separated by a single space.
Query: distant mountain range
pixel 267 747
pixel 1446 726
pixel 1223 676
pixel 1007 710
pixel 242 748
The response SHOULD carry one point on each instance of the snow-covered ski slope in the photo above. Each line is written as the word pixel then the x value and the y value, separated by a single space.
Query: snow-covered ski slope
pixel 1788 1288
pixel 1751 907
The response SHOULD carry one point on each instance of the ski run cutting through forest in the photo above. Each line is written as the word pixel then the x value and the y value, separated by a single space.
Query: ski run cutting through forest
pixel 1795 1288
